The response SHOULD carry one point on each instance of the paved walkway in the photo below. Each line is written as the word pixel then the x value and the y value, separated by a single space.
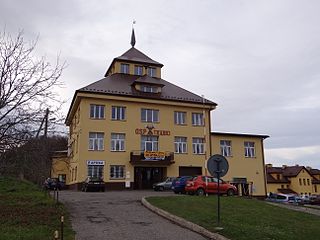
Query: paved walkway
pixel 315 210
pixel 119 215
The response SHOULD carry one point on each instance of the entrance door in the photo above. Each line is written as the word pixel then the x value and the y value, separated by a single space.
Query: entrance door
pixel 145 177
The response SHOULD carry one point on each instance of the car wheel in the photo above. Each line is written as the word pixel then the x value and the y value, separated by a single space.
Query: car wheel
pixel 230 192
pixel 200 192
pixel 161 188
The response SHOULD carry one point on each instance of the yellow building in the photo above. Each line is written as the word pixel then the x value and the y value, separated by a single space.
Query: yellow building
pixel 245 155
pixel 134 129
pixel 293 179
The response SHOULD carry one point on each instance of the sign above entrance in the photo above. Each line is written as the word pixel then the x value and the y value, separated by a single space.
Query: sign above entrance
pixel 152 131
pixel 154 155
pixel 95 162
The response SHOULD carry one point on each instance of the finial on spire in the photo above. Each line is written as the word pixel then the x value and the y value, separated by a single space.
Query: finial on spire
pixel 133 37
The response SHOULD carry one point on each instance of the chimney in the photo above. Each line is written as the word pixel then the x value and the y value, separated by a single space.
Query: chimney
pixel 309 168
pixel 284 166
pixel 269 165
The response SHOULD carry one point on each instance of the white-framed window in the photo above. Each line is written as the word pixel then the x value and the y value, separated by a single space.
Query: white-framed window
pixel 124 68
pixel 149 115
pixel 249 149
pixel 95 171
pixel 197 119
pixel 198 145
pixel 149 143
pixel 117 172
pixel 117 141
pixel 97 111
pixel 180 118
pixel 118 113
pixel 225 147
pixel 180 144
pixel 138 70
pixel 149 89
pixel 96 141
pixel 151 71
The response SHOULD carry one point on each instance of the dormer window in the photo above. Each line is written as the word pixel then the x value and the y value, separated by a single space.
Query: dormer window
pixel 124 68
pixel 149 89
pixel 138 70
pixel 151 71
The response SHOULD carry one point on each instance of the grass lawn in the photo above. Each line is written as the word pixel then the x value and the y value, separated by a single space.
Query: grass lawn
pixel 242 218
pixel 26 213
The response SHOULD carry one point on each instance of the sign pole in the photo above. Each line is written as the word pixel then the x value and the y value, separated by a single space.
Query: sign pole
pixel 218 175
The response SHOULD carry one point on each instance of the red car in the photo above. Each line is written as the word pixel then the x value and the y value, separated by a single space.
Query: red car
pixel 201 185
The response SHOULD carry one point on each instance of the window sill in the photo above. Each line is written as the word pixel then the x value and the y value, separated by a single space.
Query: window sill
pixel 117 150
pixel 116 178
pixel 97 118
pixel 94 150
pixel 181 153
pixel 197 125
pixel 119 120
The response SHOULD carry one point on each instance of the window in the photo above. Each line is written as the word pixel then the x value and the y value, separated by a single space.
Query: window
pixel 304 181
pixel 95 171
pixel 282 186
pixel 117 172
pixel 278 176
pixel 96 141
pixel 249 150
pixel 96 111
pixel 149 89
pixel 300 181
pixel 225 147
pixel 118 113
pixel 138 70
pixel 180 118
pixel 198 145
pixel 124 68
pixel 197 119
pixel 315 188
pixel 149 115
pixel 117 141
pixel 149 143
pixel 308 181
pixel 180 145
pixel 151 71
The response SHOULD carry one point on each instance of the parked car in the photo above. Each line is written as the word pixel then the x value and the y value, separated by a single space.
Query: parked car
pixel 201 185
pixel 283 198
pixel 165 185
pixel 179 184
pixel 53 184
pixel 93 184
pixel 314 199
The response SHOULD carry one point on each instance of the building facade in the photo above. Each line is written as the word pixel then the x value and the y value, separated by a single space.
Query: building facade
pixel 132 128
pixel 293 179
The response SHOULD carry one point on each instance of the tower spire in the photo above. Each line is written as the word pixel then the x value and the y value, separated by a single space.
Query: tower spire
pixel 133 37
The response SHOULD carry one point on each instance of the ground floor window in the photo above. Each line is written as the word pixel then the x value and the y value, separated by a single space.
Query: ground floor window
pixel 95 171
pixel 117 172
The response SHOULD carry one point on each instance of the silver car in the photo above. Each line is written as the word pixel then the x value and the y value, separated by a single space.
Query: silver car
pixel 165 185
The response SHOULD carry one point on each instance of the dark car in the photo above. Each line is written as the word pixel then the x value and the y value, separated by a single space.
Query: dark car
pixel 93 184
pixel 179 184
pixel 165 185
pixel 202 185
pixel 314 200
pixel 53 184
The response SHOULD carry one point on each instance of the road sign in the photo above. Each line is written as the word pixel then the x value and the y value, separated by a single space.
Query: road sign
pixel 217 164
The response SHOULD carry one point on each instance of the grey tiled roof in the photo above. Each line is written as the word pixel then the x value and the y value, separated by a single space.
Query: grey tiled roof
pixel 122 84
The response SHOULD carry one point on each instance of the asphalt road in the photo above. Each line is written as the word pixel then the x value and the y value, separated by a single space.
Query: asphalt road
pixel 119 215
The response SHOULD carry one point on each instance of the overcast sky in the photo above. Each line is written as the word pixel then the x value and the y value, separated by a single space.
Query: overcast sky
pixel 259 60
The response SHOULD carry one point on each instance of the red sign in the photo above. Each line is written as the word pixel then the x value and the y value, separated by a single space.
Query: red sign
pixel 144 131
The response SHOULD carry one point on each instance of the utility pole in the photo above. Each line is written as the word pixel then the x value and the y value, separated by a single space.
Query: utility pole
pixel 46 123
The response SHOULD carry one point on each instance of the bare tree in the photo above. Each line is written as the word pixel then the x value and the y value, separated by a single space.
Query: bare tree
pixel 27 89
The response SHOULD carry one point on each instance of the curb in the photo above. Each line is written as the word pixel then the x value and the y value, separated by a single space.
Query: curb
pixel 182 222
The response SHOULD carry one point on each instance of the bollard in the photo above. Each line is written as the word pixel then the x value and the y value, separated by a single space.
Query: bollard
pixel 57 196
pixel 61 230
pixel 56 235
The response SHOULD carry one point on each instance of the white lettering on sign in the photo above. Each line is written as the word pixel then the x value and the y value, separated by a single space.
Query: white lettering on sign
pixel 95 162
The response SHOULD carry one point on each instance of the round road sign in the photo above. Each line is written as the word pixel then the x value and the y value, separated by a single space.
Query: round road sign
pixel 217 164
